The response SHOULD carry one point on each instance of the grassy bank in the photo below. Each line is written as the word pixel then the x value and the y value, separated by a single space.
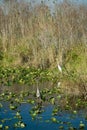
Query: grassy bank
pixel 34 37
pixel 71 83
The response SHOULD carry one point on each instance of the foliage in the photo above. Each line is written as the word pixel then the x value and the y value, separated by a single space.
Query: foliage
pixel 35 36
pixel 21 75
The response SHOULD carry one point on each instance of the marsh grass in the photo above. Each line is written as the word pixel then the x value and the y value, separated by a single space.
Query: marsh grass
pixel 34 36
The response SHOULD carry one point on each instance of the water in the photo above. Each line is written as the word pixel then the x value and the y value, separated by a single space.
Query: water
pixel 43 121
pixel 22 114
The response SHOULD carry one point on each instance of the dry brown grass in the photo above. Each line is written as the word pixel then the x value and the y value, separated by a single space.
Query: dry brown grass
pixel 32 36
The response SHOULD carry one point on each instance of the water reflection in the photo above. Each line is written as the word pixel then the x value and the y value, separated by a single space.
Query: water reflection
pixel 20 108
pixel 43 121
pixel 18 88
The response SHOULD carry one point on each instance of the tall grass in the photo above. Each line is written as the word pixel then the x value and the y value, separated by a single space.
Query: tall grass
pixel 34 36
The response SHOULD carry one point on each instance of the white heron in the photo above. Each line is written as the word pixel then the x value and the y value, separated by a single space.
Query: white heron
pixel 59 68
pixel 38 93
pixel 58 85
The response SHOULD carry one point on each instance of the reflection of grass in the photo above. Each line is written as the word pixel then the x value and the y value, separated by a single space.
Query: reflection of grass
pixel 52 96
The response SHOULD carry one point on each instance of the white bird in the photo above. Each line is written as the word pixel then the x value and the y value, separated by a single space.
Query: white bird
pixel 38 93
pixel 58 85
pixel 59 68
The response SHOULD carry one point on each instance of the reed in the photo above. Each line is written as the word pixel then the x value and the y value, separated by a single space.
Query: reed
pixel 34 36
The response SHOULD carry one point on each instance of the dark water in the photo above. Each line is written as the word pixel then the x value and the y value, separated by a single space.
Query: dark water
pixel 43 121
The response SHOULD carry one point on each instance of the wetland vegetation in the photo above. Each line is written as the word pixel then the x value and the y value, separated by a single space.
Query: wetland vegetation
pixel 34 40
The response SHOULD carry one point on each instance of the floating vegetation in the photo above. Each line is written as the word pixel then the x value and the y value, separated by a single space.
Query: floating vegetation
pixel 81 125
pixel 37 110
pixel 12 107
pixel 31 101
pixel 18 115
pixel 55 111
pixel 6 128
pixel 1 126
pixel 74 112
pixel 21 75
pixel 20 124
pixel 53 119
pixel 24 106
